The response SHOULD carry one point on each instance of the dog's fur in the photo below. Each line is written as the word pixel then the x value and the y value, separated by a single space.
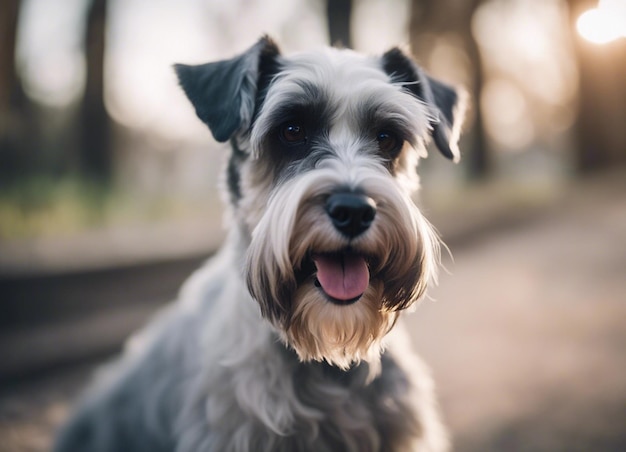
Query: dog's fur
pixel 263 351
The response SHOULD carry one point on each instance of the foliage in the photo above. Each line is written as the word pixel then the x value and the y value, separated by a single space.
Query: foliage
pixel 44 206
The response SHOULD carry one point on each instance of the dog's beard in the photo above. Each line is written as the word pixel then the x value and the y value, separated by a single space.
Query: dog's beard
pixel 400 249
pixel 341 335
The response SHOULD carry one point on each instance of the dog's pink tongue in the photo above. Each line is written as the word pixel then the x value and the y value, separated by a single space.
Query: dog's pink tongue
pixel 343 277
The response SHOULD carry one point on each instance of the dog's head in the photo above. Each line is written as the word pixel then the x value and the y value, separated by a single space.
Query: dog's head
pixel 325 149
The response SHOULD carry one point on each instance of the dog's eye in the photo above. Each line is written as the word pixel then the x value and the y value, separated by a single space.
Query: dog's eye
pixel 388 142
pixel 293 133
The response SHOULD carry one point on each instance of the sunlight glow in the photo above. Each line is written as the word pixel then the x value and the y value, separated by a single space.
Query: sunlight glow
pixel 49 54
pixel 524 98
pixel 603 24
pixel 506 115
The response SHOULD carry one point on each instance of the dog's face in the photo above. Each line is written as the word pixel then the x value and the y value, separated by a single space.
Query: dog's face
pixel 325 150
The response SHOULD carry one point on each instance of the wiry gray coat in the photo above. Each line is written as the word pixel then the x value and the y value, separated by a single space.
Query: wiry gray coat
pixel 213 372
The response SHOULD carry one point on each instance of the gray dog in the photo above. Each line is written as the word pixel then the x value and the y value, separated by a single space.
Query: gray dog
pixel 289 339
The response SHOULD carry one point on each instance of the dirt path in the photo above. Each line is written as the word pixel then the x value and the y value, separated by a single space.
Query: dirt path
pixel 527 338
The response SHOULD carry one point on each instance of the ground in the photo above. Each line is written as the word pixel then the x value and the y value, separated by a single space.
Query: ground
pixel 525 335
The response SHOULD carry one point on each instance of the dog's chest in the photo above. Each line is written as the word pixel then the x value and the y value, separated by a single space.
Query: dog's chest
pixel 312 407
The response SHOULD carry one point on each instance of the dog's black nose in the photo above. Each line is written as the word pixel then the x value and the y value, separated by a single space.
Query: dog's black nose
pixel 351 213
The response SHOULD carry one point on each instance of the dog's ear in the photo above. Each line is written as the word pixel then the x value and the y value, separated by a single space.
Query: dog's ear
pixel 224 92
pixel 447 105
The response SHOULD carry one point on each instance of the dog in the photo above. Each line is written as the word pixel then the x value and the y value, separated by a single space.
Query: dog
pixel 289 338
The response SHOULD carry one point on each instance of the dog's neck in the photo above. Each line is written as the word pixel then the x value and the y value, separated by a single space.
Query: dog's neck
pixel 358 375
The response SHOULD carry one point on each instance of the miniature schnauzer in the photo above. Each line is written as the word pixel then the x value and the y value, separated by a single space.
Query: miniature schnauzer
pixel 285 341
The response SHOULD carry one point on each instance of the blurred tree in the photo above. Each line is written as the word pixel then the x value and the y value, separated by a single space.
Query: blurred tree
pixel 14 105
pixel 434 19
pixel 601 120
pixel 96 155
pixel 339 13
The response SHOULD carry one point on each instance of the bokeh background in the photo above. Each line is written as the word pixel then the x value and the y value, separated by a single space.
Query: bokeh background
pixel 108 198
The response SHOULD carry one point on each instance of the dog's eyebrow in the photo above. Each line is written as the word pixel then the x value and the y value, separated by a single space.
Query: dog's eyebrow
pixel 311 112
pixel 298 100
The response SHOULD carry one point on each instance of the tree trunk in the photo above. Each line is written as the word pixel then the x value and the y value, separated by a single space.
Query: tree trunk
pixel 339 13
pixel 601 120
pixel 14 112
pixel 96 157
pixel 439 17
